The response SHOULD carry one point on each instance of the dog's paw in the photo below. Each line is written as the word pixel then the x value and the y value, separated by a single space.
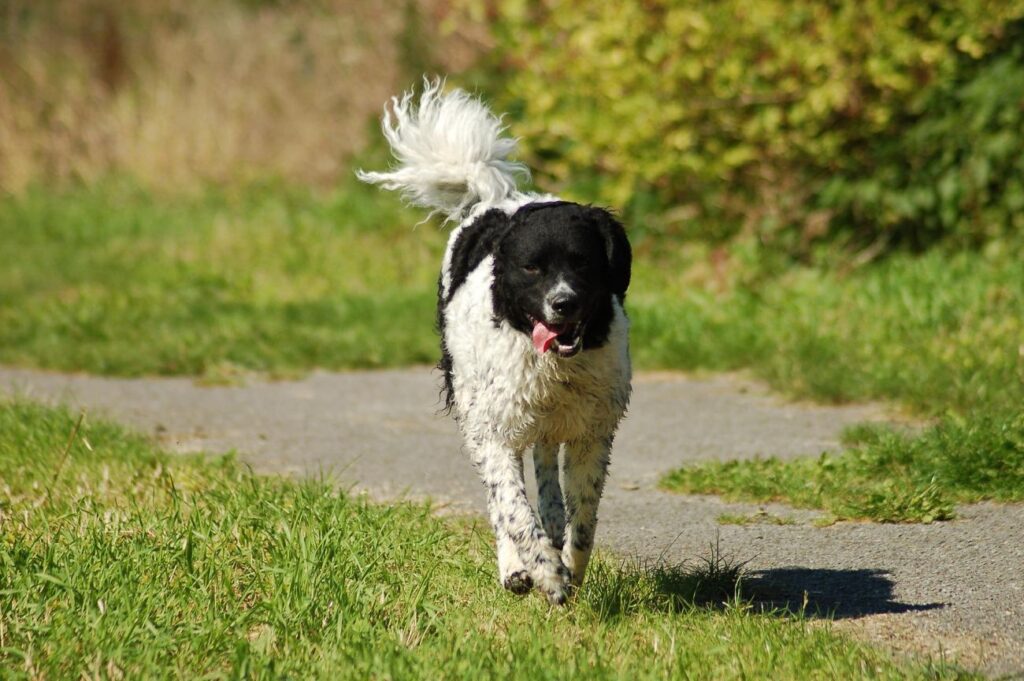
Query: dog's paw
pixel 557 586
pixel 560 597
pixel 518 582
pixel 575 578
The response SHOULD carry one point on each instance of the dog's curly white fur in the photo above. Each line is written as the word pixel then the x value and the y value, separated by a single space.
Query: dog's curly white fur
pixel 534 343
pixel 450 152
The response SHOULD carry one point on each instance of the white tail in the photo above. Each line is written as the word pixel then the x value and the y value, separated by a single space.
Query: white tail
pixel 450 151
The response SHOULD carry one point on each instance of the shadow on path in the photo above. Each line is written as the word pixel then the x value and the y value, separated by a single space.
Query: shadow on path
pixel 838 594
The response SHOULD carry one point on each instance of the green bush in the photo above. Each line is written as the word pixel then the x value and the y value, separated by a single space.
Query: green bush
pixel 784 119
pixel 956 169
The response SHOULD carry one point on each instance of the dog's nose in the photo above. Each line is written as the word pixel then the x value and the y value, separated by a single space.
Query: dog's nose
pixel 565 304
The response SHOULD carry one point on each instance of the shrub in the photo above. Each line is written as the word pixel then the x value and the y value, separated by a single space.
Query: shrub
pixel 739 113
pixel 954 170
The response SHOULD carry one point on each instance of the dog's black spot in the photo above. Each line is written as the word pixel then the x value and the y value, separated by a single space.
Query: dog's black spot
pixel 475 242
pixel 445 363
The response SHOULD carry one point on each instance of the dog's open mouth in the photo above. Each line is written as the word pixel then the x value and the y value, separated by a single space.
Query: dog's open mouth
pixel 565 339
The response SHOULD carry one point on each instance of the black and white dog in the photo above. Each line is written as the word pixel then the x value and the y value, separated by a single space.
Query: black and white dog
pixel 534 340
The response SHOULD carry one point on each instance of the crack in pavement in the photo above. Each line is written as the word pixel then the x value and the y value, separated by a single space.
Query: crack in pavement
pixel 952 589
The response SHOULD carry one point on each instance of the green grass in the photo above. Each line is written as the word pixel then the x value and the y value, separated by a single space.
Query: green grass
pixel 886 476
pixel 942 334
pixel 115 280
pixel 117 560
pixel 936 332
pixel 278 281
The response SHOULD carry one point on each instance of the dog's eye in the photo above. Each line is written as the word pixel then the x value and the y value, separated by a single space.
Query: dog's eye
pixel 531 269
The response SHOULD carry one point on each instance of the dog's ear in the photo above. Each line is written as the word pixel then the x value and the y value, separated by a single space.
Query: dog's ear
pixel 620 255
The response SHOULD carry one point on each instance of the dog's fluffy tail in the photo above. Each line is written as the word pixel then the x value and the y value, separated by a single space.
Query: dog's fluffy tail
pixel 450 151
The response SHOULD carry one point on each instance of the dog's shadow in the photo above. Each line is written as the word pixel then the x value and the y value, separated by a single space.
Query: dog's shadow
pixel 716 584
pixel 820 592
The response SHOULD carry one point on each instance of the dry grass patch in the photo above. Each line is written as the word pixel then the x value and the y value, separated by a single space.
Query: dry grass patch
pixel 178 92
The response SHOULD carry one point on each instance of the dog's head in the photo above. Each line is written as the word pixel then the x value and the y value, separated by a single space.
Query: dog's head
pixel 556 268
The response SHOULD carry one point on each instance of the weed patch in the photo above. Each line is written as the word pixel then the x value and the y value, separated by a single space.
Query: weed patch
pixel 761 517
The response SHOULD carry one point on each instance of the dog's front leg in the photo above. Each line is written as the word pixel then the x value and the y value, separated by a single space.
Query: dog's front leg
pixel 512 574
pixel 501 469
pixel 586 467
pixel 549 493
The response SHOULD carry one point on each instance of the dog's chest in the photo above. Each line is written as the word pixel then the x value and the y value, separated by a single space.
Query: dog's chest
pixel 576 399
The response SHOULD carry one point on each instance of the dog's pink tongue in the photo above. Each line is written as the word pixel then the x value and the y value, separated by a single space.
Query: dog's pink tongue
pixel 543 336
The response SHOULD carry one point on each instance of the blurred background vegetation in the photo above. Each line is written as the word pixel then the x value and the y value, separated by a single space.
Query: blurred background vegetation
pixel 877 123
pixel 176 93
pixel 828 193
pixel 874 121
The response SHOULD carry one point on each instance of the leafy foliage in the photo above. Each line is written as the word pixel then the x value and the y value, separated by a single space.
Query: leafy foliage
pixel 956 169
pixel 739 113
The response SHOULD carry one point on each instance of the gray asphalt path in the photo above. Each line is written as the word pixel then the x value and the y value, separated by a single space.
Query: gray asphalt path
pixel 954 589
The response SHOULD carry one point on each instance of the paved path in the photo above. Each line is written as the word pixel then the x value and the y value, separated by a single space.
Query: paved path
pixel 955 588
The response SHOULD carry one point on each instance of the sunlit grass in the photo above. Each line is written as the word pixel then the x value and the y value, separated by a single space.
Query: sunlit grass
pixel 886 476
pixel 278 281
pixel 936 332
pixel 119 561
pixel 118 281
pixel 939 334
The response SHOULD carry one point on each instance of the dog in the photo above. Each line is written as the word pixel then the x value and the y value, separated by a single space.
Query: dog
pixel 534 336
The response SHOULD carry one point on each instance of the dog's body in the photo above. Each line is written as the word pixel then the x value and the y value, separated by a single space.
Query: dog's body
pixel 535 348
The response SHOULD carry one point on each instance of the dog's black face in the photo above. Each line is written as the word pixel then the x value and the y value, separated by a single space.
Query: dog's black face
pixel 557 266
pixel 556 269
